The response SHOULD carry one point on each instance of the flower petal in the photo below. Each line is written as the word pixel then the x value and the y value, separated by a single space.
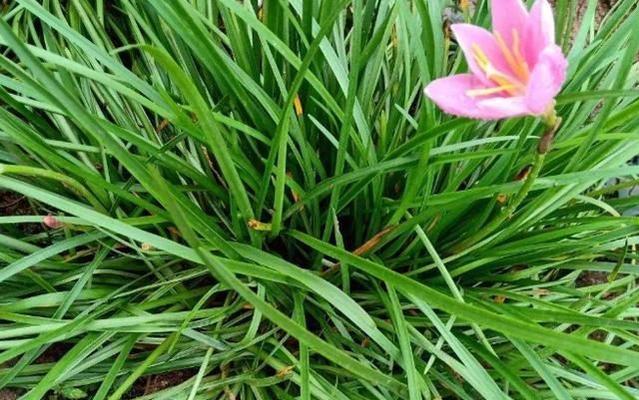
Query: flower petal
pixel 503 107
pixel 540 31
pixel 508 15
pixel 546 79
pixel 450 94
pixel 468 35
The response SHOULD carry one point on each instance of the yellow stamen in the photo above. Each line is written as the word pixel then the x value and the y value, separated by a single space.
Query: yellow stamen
pixel 521 61
pixel 505 82
pixel 510 85
pixel 508 55
pixel 480 57
pixel 489 91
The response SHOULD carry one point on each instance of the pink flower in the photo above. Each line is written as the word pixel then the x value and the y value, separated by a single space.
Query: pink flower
pixel 516 70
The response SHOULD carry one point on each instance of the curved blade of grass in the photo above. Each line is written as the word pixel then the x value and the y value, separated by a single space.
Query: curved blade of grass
pixel 507 325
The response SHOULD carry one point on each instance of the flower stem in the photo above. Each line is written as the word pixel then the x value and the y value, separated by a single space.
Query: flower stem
pixel 540 154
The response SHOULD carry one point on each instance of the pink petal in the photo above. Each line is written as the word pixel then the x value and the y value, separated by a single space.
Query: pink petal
pixel 450 95
pixel 467 35
pixel 546 79
pixel 509 15
pixel 504 107
pixel 540 31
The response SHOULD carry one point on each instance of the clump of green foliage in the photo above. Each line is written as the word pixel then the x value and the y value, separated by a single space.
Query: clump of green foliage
pixel 260 195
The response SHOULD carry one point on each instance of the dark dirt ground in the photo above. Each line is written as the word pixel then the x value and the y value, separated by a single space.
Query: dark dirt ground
pixel 8 394
pixel 602 10
pixel 15 204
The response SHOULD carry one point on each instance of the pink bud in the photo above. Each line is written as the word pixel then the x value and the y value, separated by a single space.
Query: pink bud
pixel 52 222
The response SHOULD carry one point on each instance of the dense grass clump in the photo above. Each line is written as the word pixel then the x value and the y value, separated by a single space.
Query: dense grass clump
pixel 215 199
